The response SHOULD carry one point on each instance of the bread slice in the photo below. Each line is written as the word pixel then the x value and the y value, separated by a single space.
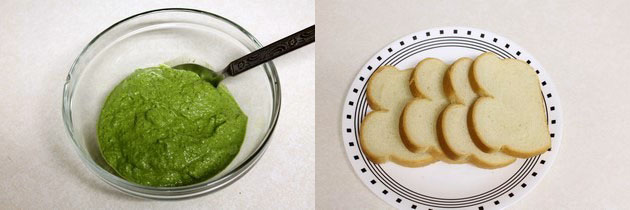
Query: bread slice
pixel 387 94
pixel 453 133
pixel 509 115
pixel 419 117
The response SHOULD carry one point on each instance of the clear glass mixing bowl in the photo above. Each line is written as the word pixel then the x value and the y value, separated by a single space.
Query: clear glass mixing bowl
pixel 172 36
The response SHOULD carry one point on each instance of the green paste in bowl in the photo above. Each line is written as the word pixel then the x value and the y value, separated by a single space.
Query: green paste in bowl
pixel 166 127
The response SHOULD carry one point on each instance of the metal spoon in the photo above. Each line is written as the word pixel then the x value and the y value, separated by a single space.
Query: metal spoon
pixel 253 59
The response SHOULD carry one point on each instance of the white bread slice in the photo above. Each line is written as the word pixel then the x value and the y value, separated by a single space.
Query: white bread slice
pixel 453 133
pixel 418 120
pixel 387 94
pixel 509 115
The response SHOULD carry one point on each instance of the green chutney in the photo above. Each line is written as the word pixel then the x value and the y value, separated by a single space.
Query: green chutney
pixel 167 127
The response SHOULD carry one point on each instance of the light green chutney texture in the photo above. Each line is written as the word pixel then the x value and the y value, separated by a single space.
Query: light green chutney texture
pixel 167 127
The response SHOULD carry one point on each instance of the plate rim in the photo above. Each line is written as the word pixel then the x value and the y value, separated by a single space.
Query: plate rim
pixel 443 32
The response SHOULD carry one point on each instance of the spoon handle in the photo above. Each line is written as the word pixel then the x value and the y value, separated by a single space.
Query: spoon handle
pixel 274 50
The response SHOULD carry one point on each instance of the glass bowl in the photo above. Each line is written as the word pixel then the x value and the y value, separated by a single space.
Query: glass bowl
pixel 171 36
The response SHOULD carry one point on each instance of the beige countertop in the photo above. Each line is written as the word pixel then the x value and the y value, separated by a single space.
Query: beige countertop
pixel 39 168
pixel 583 46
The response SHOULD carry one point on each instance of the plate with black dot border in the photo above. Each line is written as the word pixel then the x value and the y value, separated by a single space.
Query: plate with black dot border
pixel 441 185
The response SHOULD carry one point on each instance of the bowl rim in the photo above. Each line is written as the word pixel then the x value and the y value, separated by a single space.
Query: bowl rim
pixel 180 192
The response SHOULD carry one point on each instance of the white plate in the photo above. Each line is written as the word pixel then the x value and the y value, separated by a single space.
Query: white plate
pixel 442 185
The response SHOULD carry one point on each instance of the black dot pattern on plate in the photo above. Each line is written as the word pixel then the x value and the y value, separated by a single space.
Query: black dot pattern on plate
pixel 414 206
pixel 351 144
pixel 534 174
pixel 378 167
pixel 496 202
pixel 369 68
pixel 390 184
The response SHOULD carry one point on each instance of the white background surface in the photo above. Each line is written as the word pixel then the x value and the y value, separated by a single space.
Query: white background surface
pixel 583 45
pixel 39 169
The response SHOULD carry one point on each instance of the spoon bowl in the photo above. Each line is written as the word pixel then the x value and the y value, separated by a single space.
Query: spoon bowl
pixel 206 74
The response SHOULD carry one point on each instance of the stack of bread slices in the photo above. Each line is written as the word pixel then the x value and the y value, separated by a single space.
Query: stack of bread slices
pixel 487 112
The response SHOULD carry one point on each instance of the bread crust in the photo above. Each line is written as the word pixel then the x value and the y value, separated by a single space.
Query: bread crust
pixel 487 97
pixel 379 108
pixel 461 101
pixel 424 99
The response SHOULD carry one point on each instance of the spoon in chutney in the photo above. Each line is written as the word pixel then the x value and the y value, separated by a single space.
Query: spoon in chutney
pixel 253 59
